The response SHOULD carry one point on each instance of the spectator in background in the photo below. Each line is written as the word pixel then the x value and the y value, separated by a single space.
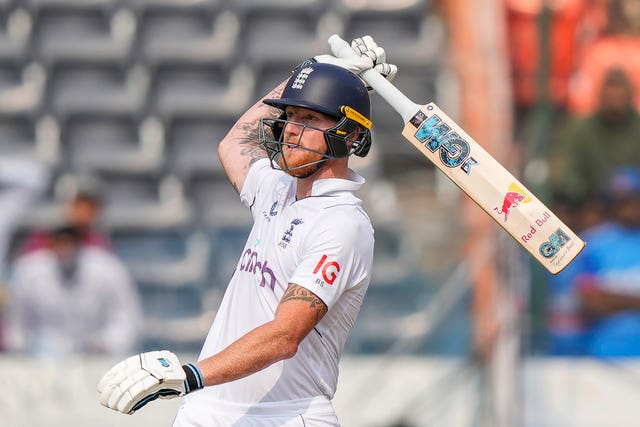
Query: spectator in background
pixel 22 182
pixel 590 148
pixel 624 17
pixel 615 45
pixel 607 274
pixel 526 51
pixel 68 298
pixel 595 303
pixel 82 209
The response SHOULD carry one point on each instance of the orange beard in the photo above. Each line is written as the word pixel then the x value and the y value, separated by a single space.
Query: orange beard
pixel 296 158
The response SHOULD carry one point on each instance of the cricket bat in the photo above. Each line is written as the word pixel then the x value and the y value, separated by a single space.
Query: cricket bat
pixel 477 173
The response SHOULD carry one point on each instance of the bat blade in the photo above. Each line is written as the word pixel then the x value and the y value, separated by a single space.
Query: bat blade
pixel 477 173
pixel 493 188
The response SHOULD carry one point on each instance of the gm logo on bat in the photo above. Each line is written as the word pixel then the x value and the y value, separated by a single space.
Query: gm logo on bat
pixel 437 136
pixel 555 242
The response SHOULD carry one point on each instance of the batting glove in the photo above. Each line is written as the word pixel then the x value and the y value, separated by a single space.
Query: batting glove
pixel 367 47
pixel 370 56
pixel 138 380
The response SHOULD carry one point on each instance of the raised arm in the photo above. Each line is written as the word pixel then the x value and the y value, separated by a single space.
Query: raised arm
pixel 240 148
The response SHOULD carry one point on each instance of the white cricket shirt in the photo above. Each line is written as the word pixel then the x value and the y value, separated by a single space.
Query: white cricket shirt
pixel 323 243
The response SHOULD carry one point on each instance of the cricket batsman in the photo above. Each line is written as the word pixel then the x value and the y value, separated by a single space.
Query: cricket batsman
pixel 271 356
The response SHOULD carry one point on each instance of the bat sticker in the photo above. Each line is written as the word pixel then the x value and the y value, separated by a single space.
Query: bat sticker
pixel 453 149
pixel 512 199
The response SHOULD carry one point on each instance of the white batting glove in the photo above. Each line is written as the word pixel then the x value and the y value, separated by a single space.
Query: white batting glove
pixel 138 380
pixel 371 56
pixel 366 46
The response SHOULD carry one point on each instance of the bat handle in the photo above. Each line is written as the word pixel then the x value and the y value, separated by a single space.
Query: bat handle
pixel 403 105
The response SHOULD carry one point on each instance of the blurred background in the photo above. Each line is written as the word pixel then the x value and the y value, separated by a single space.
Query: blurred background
pixel 110 116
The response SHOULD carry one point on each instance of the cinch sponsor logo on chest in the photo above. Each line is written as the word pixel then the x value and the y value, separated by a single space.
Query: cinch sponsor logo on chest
pixel 328 270
pixel 250 263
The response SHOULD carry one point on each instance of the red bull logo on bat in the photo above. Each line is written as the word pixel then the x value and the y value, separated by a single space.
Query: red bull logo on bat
pixel 511 200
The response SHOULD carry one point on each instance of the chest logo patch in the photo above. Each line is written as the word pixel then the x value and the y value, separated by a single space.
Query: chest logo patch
pixel 288 234
pixel 272 212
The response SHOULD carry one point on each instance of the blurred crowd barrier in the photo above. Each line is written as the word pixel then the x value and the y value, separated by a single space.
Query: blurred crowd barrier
pixel 373 392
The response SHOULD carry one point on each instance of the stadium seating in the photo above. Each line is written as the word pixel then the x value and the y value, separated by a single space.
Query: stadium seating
pixel 192 145
pixel 85 35
pixel 145 202
pixel 22 88
pixel 202 91
pixel 115 144
pixel 186 37
pixel 17 27
pixel 139 92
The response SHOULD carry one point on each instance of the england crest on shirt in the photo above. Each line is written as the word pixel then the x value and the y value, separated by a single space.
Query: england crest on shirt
pixel 288 233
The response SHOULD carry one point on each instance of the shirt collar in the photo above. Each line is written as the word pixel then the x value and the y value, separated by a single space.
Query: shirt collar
pixel 330 186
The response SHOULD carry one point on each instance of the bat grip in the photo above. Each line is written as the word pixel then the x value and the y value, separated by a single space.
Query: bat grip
pixel 403 105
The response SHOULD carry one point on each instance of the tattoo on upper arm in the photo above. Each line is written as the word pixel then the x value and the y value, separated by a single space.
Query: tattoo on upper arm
pixel 299 293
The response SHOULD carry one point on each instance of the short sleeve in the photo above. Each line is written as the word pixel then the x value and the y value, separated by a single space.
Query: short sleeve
pixel 253 181
pixel 335 256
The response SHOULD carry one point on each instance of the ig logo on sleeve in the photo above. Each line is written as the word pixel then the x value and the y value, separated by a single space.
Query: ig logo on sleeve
pixel 328 270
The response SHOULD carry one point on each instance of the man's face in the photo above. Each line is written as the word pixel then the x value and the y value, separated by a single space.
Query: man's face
pixel 296 135
pixel 616 98
pixel 83 212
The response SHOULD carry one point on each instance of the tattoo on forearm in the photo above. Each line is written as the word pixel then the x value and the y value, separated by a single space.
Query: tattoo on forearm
pixel 299 293
pixel 245 134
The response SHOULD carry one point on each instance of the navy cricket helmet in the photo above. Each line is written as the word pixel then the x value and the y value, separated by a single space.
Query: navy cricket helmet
pixel 332 90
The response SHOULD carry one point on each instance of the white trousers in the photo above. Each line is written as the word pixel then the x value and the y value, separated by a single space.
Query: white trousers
pixel 198 412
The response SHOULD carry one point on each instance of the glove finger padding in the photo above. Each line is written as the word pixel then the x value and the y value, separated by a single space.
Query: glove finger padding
pixel 134 382
pixel 363 43
pixel 370 55
pixel 367 46
pixel 377 55
pixel 388 71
